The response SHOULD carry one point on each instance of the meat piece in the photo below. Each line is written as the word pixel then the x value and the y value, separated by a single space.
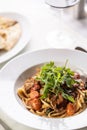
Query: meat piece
pixel 76 75
pixel 60 99
pixel 36 87
pixel 28 84
pixel 58 102
pixel 62 104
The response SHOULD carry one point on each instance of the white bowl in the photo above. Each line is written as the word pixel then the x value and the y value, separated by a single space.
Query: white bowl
pixel 17 70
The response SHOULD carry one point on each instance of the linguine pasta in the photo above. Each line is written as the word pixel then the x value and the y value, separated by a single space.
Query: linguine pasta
pixel 54 91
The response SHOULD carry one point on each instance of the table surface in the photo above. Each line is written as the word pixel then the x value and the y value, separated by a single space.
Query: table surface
pixel 42 20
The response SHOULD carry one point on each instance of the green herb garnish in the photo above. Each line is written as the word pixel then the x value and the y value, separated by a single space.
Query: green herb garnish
pixel 53 79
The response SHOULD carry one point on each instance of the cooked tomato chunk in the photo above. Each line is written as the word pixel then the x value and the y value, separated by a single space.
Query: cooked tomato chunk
pixel 70 109
pixel 35 104
pixel 34 94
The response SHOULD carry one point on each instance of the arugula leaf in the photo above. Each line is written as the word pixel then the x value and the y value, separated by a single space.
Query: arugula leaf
pixel 68 97
pixel 54 77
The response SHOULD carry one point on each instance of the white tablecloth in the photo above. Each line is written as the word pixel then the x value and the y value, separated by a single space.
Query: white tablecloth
pixel 42 20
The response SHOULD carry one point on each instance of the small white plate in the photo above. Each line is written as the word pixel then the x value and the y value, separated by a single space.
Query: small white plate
pixel 20 68
pixel 24 39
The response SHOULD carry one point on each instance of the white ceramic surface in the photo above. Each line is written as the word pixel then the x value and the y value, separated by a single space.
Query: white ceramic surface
pixel 8 98
pixel 24 39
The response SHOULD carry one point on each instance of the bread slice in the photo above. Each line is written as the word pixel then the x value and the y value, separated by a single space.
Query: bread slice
pixel 10 32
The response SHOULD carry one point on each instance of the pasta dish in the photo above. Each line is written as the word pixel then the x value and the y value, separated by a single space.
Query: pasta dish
pixel 54 91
